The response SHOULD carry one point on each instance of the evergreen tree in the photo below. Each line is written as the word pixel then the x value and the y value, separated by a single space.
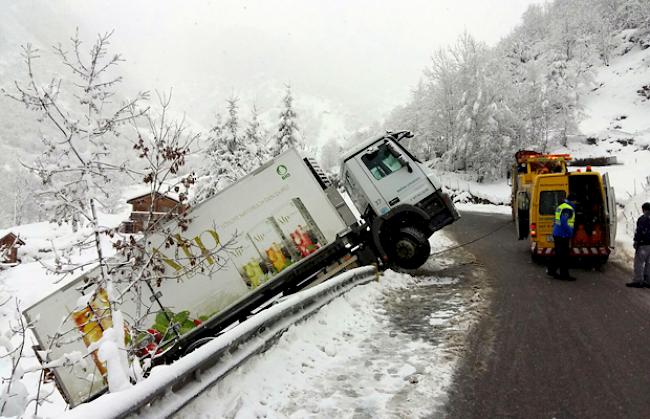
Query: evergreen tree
pixel 216 136
pixel 287 135
pixel 231 126
pixel 218 172
pixel 228 155
pixel 256 145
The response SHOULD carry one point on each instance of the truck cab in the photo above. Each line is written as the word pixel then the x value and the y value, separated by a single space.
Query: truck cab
pixel 397 197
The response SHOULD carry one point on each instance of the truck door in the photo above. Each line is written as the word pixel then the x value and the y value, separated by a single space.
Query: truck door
pixel 610 209
pixel 398 179
pixel 548 192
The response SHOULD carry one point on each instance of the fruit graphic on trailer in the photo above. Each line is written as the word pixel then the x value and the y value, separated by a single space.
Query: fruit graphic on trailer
pixel 277 258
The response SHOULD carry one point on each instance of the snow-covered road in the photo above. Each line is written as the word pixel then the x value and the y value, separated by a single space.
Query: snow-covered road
pixel 385 349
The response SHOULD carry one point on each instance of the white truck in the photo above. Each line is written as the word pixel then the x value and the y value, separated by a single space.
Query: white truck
pixel 281 228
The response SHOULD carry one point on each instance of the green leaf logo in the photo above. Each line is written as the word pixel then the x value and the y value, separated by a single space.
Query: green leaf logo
pixel 282 171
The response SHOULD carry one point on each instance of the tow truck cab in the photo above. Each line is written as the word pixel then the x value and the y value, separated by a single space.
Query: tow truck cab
pixel 399 198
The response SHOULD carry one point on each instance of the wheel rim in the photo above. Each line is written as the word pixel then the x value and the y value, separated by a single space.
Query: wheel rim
pixel 405 249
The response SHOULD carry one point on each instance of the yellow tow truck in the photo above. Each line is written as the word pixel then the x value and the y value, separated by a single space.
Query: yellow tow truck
pixel 540 182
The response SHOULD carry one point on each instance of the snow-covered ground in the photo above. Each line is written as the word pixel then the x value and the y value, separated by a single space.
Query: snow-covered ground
pixel 385 349
pixel 618 118
pixel 31 280
pixel 465 189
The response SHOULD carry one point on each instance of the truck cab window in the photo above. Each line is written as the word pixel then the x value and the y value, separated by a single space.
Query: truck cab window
pixel 549 200
pixel 382 162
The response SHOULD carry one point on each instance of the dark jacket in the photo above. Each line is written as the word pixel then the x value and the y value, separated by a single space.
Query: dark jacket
pixel 642 234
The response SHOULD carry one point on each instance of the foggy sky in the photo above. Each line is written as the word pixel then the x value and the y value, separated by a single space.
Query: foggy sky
pixel 361 58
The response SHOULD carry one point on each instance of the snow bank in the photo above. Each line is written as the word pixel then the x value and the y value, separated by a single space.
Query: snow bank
pixel 617 124
pixel 486 208
pixel 463 188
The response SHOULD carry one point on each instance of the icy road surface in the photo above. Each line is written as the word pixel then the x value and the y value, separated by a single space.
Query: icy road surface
pixel 386 349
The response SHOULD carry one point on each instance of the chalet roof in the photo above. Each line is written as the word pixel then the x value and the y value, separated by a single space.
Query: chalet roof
pixel 168 195
pixel 14 238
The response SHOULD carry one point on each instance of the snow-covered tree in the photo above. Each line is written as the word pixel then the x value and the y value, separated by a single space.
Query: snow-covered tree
pixel 256 142
pixel 215 175
pixel 476 105
pixel 22 204
pixel 228 157
pixel 14 393
pixel 237 155
pixel 231 126
pixel 76 168
pixel 288 134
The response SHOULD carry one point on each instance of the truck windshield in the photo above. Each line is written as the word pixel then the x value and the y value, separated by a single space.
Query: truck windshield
pixel 382 162
pixel 549 200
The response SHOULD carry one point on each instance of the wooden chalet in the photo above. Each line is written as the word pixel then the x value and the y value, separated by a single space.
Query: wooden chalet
pixel 163 206
pixel 9 245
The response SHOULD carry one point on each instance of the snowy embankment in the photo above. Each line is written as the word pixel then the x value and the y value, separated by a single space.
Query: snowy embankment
pixel 384 349
pixel 617 123
pixel 469 195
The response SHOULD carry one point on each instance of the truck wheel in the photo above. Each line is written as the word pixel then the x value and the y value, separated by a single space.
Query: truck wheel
pixel 523 227
pixel 537 259
pixel 408 249
pixel 600 262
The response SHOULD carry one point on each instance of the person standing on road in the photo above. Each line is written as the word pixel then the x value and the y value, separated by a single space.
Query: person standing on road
pixel 565 215
pixel 642 247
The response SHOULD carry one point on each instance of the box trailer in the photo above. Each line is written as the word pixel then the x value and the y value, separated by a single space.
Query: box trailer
pixel 277 230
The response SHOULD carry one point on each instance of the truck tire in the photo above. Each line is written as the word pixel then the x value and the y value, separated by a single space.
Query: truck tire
pixel 408 249
pixel 523 226
pixel 600 262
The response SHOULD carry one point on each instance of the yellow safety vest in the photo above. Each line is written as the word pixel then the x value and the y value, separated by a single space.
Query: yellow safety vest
pixel 558 214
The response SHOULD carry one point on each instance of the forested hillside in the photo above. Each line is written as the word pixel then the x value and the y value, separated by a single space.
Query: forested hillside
pixel 475 105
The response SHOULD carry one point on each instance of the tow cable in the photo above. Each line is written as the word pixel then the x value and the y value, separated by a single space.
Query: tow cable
pixel 467 243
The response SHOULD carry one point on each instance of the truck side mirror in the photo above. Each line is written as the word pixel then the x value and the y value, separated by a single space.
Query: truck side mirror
pixel 403 134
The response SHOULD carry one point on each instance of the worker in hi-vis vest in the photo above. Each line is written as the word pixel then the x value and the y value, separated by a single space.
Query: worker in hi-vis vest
pixel 565 215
